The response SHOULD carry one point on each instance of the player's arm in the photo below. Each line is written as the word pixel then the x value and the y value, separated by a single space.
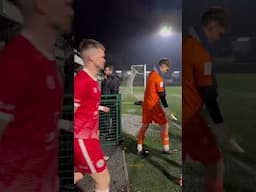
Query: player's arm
pixel 104 109
pixel 161 91
pixel 66 125
pixel 6 117
pixel 208 91
pixel 209 95
pixel 162 97
pixel 80 92
pixel 12 86
pixel 3 126
pixel 207 85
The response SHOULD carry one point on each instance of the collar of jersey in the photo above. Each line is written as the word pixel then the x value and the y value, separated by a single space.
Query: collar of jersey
pixel 85 70
pixel 157 69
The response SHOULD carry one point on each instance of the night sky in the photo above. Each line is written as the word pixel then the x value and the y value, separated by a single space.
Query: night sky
pixel 241 17
pixel 129 30
pixel 241 14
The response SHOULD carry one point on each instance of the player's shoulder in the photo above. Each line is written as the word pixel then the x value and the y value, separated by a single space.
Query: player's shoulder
pixel 17 52
pixel 83 78
pixel 155 75
pixel 191 42
pixel 82 75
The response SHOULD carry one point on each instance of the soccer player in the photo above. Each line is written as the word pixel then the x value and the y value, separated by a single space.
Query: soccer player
pixel 151 108
pixel 199 142
pixel 31 99
pixel 88 154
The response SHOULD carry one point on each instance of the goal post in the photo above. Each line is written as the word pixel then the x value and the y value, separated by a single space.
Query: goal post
pixel 135 77
pixel 138 76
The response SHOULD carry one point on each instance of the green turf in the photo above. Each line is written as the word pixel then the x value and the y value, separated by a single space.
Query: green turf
pixel 238 103
pixel 157 172
pixel 237 93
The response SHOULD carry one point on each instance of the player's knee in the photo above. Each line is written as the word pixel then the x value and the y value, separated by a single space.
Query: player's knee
pixel 164 127
pixel 77 177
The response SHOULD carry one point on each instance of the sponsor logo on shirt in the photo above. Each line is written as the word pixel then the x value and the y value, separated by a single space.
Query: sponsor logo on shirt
pixel 161 84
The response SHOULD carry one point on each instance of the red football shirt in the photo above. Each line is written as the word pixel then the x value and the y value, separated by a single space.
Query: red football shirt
pixel 31 97
pixel 87 97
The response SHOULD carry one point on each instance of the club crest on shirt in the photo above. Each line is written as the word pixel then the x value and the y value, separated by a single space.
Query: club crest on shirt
pixel 100 163
pixel 95 90
pixel 50 82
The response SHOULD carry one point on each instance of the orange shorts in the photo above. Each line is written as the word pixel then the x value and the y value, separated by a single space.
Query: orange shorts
pixel 155 114
pixel 198 141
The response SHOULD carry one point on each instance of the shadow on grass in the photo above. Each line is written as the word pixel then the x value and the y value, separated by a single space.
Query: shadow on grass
pixel 130 143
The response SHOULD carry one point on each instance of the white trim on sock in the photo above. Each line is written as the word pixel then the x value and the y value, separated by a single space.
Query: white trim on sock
pixel 139 147
pixel 166 147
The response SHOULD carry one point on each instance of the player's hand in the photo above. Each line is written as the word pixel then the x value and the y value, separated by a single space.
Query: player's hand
pixel 106 109
pixel 66 125
pixel 169 114
pixel 224 138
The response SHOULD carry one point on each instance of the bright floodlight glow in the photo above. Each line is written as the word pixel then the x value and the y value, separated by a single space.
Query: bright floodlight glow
pixel 165 31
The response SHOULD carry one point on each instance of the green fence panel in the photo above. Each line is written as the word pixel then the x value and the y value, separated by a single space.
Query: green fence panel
pixel 110 123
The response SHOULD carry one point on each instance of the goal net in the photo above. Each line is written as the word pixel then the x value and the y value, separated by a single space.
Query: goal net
pixel 133 80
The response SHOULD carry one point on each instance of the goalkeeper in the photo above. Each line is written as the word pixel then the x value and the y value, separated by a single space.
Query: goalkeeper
pixel 199 141
pixel 151 108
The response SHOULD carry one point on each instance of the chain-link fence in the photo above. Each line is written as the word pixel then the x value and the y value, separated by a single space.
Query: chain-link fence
pixel 66 151
pixel 66 162
pixel 110 123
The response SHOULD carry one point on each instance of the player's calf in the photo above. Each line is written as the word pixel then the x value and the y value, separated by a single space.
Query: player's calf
pixel 102 181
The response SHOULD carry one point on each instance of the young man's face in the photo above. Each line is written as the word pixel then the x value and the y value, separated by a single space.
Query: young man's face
pixel 164 68
pixel 215 31
pixel 59 13
pixel 98 58
pixel 107 71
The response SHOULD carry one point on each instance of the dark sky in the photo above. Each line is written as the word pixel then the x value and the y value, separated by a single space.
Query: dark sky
pixel 242 14
pixel 129 29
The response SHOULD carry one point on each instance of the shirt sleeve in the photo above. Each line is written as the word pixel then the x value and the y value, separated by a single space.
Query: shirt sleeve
pixel 159 84
pixel 16 85
pixel 79 91
pixel 203 68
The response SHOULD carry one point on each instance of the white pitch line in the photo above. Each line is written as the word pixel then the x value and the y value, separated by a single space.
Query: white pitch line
pixel 247 168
